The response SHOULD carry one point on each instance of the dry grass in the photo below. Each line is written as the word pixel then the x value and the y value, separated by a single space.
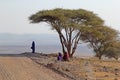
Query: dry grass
pixel 84 68
pixel 99 69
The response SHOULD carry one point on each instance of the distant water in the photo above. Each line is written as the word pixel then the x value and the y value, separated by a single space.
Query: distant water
pixel 21 49
pixel 82 50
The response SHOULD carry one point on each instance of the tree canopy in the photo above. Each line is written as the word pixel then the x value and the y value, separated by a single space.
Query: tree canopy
pixel 75 25
pixel 68 24
pixel 113 51
pixel 100 38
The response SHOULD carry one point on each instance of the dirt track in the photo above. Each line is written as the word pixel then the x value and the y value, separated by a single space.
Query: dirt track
pixel 23 68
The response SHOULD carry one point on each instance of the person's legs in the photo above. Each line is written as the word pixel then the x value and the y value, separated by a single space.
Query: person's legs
pixel 33 50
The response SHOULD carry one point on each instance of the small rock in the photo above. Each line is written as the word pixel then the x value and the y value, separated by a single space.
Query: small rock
pixel 50 65
pixel 67 70
pixel 106 76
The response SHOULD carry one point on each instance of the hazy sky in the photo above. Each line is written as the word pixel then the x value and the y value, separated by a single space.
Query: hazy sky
pixel 14 13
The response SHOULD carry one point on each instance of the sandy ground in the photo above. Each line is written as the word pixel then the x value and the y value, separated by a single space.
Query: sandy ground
pixel 23 68
pixel 28 66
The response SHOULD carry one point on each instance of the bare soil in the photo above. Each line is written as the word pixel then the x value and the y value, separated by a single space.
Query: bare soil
pixel 19 67
pixel 28 66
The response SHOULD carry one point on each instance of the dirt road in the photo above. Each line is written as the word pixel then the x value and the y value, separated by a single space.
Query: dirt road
pixel 23 68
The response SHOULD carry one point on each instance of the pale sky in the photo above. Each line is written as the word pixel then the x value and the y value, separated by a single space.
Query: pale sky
pixel 14 13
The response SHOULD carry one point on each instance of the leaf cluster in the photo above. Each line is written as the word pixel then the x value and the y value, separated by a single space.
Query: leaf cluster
pixel 67 17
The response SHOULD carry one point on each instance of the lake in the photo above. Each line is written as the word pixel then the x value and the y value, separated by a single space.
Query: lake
pixel 17 49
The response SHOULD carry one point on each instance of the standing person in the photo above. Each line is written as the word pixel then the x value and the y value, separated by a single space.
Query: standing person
pixel 33 47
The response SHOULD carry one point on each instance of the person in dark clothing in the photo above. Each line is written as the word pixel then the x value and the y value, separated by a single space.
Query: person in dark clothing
pixel 59 58
pixel 33 47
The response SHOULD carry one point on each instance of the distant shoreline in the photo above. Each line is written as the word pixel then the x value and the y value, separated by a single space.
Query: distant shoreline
pixel 17 49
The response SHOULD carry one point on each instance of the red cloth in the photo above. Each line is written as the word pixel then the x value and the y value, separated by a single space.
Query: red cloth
pixel 66 56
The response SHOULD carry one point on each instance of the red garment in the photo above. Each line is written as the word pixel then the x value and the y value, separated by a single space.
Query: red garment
pixel 66 56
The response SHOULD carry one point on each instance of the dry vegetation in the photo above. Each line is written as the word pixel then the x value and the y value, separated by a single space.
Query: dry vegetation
pixel 81 68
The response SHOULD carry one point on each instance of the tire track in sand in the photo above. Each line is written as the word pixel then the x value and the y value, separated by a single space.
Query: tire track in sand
pixel 5 74
pixel 23 68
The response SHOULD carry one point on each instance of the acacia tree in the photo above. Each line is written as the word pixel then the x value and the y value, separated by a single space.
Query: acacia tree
pixel 67 24
pixel 113 51
pixel 100 39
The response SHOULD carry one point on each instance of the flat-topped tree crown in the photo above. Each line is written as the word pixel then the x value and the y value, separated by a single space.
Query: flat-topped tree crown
pixel 68 21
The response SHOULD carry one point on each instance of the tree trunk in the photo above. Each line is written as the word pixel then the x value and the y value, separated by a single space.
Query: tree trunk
pixel 98 55
pixel 69 45
pixel 63 49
